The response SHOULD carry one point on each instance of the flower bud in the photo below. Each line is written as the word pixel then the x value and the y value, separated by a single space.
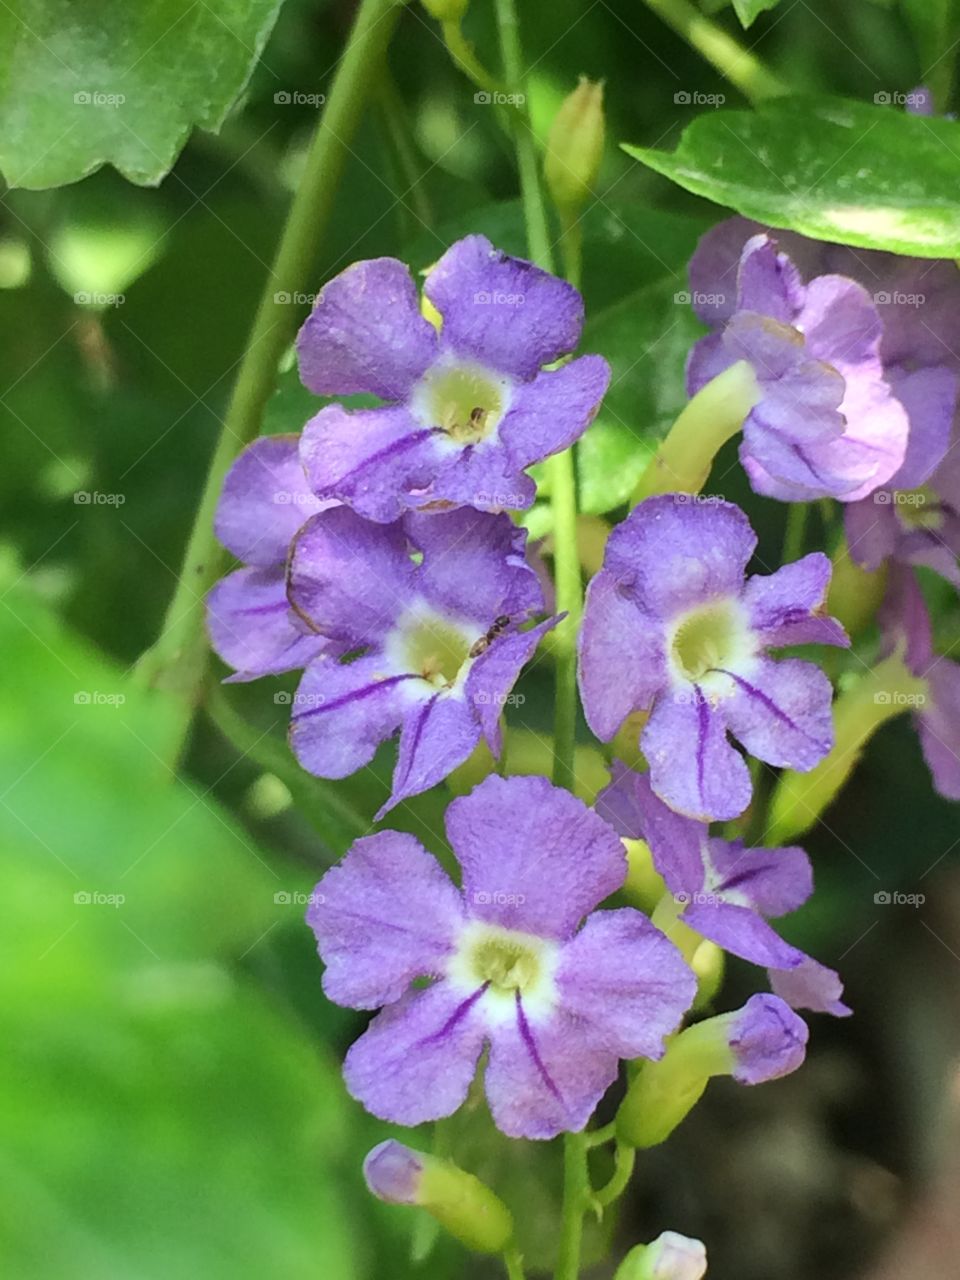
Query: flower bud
pixel 762 1041
pixel 461 1203
pixel 575 146
pixel 670 1257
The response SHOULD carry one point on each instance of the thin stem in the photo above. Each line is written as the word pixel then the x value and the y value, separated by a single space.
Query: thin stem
pixel 571 247
pixel 513 1261
pixel 597 1137
pixel 738 65
pixel 793 541
pixel 625 1159
pixel 396 121
pixel 576 1197
pixel 560 468
pixel 177 660
pixel 461 51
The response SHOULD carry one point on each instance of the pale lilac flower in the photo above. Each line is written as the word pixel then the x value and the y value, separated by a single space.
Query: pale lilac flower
pixel 428 612
pixel 467 410
pixel 671 626
pixel 264 502
pixel 517 963
pixel 726 891
pixel 845 365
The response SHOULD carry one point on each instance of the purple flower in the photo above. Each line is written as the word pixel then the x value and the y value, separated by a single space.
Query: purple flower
pixel 556 1001
pixel 264 502
pixel 466 410
pixel 842 373
pixel 905 623
pixel 726 892
pixel 427 611
pixel 915 521
pixel 670 626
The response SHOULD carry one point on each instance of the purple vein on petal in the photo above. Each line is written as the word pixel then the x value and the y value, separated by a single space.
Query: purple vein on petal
pixel 388 451
pixel 354 695
pixel 752 691
pixel 703 727
pixel 417 735
pixel 459 1013
pixel 526 1035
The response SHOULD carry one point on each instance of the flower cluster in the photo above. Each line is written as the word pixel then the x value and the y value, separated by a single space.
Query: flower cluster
pixel 378 558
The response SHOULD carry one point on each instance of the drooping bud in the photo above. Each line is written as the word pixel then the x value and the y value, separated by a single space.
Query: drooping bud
pixel 762 1041
pixel 460 1202
pixel 670 1257
pixel 575 147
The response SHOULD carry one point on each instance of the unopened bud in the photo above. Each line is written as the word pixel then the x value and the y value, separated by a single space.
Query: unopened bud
pixel 762 1041
pixel 670 1257
pixel 461 1203
pixel 575 146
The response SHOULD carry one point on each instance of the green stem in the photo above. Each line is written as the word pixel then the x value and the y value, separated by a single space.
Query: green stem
pixel 396 120
pixel 513 1261
pixel 625 1159
pixel 737 64
pixel 597 1137
pixel 793 540
pixel 560 468
pixel 177 661
pixel 576 1197
pixel 461 51
pixel 571 247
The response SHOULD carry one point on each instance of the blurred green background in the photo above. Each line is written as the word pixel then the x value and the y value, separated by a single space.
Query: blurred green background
pixel 170 1098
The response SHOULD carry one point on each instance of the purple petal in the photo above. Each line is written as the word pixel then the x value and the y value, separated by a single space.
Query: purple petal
pixel 546 1078
pixel 417 1059
pixel 481 476
pixel 253 628
pixel 392 1172
pixel 494 674
pixel 621 663
pixel 939 727
pixel 743 933
pixel 905 620
pixel 841 324
pixel 349 578
pixel 376 460
pixel 871 528
pixel 782 712
pixel 768 282
pixel 622 977
pixel 503 311
pixel 264 502
pixel 438 734
pixel 774 881
pixel 768 1040
pixel 692 765
pixel 714 268
pixel 930 399
pixel 366 333
pixel 548 414
pixel 675 842
pixel 343 711
pixel 474 564
pixel 811 985
pixel 708 358
pixel 787 607
pixel 534 857
pixel 673 553
pixel 385 915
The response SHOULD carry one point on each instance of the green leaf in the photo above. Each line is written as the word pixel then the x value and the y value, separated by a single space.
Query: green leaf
pixel 646 337
pixel 749 10
pixel 828 168
pixel 83 85
pixel 934 27
pixel 162 1117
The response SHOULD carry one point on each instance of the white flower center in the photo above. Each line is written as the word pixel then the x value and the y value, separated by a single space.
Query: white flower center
pixel 465 400
pixel 432 646
pixel 508 963
pixel 707 641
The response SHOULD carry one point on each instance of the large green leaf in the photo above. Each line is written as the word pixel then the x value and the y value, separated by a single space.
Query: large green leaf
pixel 161 1116
pixel 835 170
pixel 749 10
pixel 82 85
